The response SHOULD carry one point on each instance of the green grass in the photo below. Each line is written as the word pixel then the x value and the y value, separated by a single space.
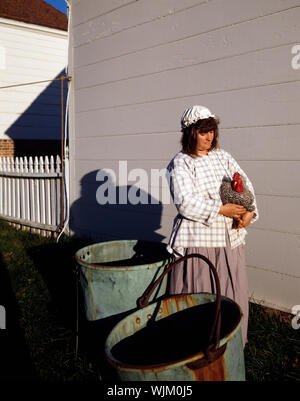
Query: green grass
pixel 39 292
pixel 273 349
pixel 38 288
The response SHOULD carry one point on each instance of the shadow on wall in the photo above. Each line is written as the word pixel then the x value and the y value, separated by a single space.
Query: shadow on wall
pixel 114 220
pixel 37 132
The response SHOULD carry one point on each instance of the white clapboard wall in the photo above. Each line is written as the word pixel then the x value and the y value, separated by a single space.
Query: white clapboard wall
pixel 30 53
pixel 30 192
pixel 136 66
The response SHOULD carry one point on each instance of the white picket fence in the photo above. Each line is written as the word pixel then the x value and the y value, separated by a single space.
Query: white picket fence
pixel 30 192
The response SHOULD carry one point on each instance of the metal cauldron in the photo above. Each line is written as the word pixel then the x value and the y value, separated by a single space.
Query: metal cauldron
pixel 221 358
pixel 113 274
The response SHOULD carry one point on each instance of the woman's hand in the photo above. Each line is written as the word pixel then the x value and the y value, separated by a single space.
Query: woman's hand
pixel 246 219
pixel 232 210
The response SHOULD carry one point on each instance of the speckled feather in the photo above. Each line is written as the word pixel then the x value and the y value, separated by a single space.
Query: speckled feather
pixel 228 195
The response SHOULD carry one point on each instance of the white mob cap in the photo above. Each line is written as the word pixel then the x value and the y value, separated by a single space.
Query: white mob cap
pixel 193 114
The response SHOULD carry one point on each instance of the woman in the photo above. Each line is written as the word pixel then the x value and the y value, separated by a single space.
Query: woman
pixel 204 224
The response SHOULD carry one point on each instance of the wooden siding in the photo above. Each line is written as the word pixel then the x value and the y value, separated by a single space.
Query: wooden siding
pixel 31 54
pixel 136 67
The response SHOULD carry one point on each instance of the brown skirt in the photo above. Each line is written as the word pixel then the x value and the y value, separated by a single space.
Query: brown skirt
pixel 194 276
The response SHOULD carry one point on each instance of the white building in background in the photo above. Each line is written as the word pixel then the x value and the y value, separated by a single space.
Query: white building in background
pixel 33 47
pixel 136 66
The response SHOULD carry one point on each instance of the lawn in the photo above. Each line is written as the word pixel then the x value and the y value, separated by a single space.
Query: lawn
pixel 38 290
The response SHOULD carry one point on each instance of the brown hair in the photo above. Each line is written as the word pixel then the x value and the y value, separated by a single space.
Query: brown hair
pixel 189 134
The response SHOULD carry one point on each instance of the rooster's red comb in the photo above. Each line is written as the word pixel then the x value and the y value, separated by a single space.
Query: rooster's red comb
pixel 236 175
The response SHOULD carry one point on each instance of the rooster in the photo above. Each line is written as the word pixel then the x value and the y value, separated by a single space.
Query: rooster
pixel 236 191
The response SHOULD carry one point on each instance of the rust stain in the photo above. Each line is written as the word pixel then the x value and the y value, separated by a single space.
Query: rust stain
pixel 189 300
pixel 215 371
pixel 193 301
pixel 165 308
pixel 183 301
pixel 177 303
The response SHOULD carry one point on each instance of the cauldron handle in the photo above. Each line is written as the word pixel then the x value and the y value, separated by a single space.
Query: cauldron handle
pixel 211 352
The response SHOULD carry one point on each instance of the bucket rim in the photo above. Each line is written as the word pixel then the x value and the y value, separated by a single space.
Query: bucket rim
pixel 97 266
pixel 173 364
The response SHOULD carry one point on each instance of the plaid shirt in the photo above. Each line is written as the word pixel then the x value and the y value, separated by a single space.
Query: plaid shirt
pixel 195 184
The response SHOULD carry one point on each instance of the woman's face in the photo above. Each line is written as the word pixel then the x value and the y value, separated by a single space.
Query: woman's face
pixel 204 141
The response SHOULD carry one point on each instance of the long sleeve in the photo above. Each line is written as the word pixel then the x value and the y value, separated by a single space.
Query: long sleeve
pixel 188 199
